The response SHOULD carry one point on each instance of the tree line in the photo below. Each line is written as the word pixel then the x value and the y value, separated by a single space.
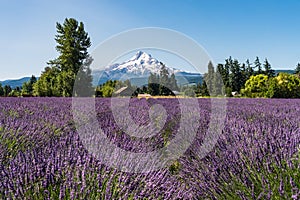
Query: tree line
pixel 232 75
pixel 248 79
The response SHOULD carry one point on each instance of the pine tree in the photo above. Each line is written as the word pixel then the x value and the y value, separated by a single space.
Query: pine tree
pixel 173 83
pixel 257 65
pixel 227 66
pixel 83 84
pixel 209 78
pixel 153 84
pixel 224 72
pixel 7 89
pixel 249 70
pixel 218 80
pixel 267 69
pixel 243 74
pixel 1 90
pixel 236 79
pixel 72 44
pixel 297 70
pixel 164 86
pixel 204 89
pixel 27 87
pixel 73 61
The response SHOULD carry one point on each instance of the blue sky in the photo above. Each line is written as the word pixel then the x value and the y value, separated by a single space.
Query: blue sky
pixel 242 29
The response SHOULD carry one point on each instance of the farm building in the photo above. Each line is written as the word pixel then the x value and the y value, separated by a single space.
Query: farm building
pixel 176 92
pixel 124 91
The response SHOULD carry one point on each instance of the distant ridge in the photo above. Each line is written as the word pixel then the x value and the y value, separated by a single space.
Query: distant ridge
pixel 288 71
pixel 13 83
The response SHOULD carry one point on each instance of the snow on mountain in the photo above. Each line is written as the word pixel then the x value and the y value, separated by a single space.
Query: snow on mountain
pixel 140 64
pixel 137 69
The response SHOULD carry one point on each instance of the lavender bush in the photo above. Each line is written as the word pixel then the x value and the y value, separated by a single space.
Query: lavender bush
pixel 256 157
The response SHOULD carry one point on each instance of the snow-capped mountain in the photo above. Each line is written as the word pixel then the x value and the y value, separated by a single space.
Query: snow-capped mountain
pixel 138 67
pixel 140 64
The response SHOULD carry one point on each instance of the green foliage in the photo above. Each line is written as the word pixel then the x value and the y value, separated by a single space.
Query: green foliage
pixel 153 84
pixel 14 93
pixel 164 81
pixel 209 78
pixel 235 75
pixel 236 78
pixel 256 86
pixel 107 91
pixel 108 88
pixel 73 63
pixel 7 90
pixel 47 85
pixel 249 70
pixel 224 72
pixel 213 82
pixel 285 86
pixel 282 86
pixel 228 92
pixel 173 83
pixel 189 92
pixel 204 89
pixel 219 88
pixel 27 87
pixel 1 90
pixel 72 44
pixel 83 85
pixel 199 89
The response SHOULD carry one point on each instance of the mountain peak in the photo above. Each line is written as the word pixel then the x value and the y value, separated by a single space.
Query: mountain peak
pixel 141 55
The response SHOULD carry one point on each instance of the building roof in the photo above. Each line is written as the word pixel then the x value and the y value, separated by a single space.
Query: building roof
pixel 119 91
pixel 176 92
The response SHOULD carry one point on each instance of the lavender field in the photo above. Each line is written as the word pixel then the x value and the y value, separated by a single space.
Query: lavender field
pixel 256 156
